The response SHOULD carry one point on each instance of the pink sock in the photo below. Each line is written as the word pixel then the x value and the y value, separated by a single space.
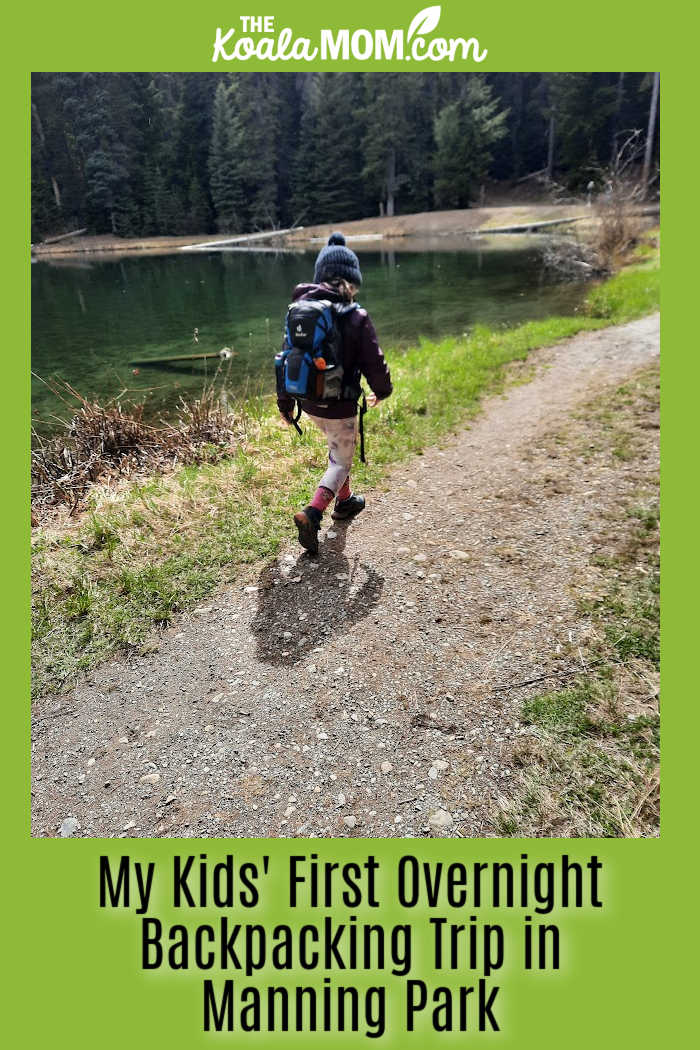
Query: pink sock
pixel 322 497
pixel 344 492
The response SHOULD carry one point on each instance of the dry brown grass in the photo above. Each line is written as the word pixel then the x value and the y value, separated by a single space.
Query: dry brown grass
pixel 102 442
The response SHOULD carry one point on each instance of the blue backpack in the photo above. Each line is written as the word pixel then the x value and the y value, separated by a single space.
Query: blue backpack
pixel 309 367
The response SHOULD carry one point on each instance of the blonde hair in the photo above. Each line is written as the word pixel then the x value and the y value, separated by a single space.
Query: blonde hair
pixel 347 290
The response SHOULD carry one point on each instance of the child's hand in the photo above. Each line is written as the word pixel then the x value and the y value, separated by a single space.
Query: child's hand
pixel 372 400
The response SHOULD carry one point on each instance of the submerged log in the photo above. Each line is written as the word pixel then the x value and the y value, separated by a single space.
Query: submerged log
pixel 223 355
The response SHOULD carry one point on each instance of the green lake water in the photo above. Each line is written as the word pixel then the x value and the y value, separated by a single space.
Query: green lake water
pixel 91 317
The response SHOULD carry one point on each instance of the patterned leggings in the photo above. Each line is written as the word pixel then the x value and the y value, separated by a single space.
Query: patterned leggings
pixel 341 435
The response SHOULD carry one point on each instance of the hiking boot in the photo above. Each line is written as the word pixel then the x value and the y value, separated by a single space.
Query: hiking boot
pixel 348 508
pixel 308 523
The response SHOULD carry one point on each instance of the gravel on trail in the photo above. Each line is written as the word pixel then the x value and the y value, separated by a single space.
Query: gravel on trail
pixel 371 692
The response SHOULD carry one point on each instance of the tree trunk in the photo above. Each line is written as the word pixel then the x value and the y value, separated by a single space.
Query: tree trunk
pixel 616 115
pixel 650 135
pixel 39 125
pixel 550 147
pixel 390 181
pixel 56 192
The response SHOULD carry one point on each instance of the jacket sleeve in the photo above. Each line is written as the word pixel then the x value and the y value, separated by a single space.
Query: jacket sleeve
pixel 371 359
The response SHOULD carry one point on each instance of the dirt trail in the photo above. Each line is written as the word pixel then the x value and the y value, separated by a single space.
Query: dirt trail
pixel 361 694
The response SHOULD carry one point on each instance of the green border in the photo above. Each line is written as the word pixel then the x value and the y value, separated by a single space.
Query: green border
pixel 625 977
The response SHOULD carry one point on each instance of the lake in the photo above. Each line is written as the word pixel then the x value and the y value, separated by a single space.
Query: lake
pixel 91 317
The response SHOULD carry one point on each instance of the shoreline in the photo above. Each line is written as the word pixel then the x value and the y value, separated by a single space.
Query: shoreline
pixel 474 222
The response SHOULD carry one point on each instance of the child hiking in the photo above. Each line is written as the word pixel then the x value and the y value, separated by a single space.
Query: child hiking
pixel 330 344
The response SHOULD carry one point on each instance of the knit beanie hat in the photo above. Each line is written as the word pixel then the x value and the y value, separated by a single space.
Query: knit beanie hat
pixel 335 260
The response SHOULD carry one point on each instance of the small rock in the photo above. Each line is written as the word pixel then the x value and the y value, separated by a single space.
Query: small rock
pixel 68 827
pixel 459 555
pixel 149 778
pixel 420 558
pixel 440 819
pixel 440 765
pixel 386 767
pixel 350 821
pixel 341 799
pixel 250 590
pixel 331 535
pixel 433 773
pixel 403 550
pixel 129 826
pixel 289 810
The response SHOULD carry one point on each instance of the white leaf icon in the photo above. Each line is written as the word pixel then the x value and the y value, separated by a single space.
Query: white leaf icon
pixel 425 21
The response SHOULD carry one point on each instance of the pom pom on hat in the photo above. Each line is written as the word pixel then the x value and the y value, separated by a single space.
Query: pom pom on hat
pixel 335 260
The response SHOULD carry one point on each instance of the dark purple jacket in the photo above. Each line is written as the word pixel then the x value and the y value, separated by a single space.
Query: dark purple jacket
pixel 361 351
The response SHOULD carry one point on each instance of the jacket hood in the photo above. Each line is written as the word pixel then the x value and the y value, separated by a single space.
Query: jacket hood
pixel 317 291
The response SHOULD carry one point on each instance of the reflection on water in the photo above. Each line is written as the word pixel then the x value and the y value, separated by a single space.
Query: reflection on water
pixel 91 317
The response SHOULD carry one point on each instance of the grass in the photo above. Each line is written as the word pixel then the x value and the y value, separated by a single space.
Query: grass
pixel 143 552
pixel 589 765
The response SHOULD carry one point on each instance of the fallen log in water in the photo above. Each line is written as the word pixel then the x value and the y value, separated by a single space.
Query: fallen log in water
pixel 223 355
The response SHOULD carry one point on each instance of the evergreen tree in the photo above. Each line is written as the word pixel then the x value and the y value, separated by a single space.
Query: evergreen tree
pixel 465 131
pixel 224 181
pixel 255 104
pixel 339 176
pixel 106 114
pixel 389 140
pixel 307 204
pixel 581 110
pixel 289 114
pixel 198 209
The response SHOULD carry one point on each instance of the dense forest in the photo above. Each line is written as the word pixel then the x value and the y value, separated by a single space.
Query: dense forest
pixel 143 154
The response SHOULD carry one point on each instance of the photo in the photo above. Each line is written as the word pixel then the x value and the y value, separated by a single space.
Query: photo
pixel 345 454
